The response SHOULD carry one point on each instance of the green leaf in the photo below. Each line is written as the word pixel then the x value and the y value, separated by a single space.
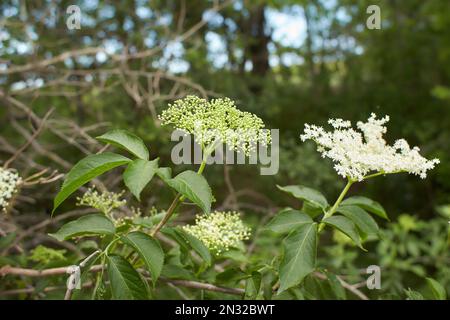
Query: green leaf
pixel 315 289
pixel 236 254
pixel 287 220
pixel 92 224
pixel 188 241
pixel 176 272
pixel 361 218
pixel 413 295
pixel 164 173
pixel 231 275
pixel 126 140
pixel 86 170
pixel 311 210
pixel 252 286
pixel 367 204
pixel 194 187
pixel 306 194
pixel 197 245
pixel 148 249
pixel 299 260
pixel 437 289
pixel 138 174
pixel 346 226
pixel 126 283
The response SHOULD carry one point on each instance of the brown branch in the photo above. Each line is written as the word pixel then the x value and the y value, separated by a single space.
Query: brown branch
pixel 231 200
pixel 94 50
pixel 45 290
pixel 48 62
pixel 147 53
pixel 46 222
pixel 38 178
pixel 205 286
pixel 7 147
pixel 30 140
pixel 8 270
pixel 353 288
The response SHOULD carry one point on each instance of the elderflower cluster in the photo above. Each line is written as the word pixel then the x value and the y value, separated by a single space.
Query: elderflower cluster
pixel 105 201
pixel 128 219
pixel 358 153
pixel 219 230
pixel 9 181
pixel 216 121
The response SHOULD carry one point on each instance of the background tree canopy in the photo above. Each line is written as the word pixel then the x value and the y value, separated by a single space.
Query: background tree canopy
pixel 290 62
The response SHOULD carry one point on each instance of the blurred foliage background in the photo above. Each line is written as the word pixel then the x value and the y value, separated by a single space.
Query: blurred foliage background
pixel 288 61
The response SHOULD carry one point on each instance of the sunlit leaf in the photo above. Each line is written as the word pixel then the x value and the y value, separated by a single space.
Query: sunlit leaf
pixel 126 140
pixel 86 170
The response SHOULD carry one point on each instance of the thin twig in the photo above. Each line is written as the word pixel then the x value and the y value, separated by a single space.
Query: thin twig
pixel 32 290
pixel 8 270
pixel 168 214
pixel 47 222
pixel 30 140
pixel 205 286
pixel 47 62
pixel 353 288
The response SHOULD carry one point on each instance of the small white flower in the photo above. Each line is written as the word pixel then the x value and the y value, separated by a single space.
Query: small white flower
pixel 339 123
pixel 9 181
pixel 357 154
pixel 219 230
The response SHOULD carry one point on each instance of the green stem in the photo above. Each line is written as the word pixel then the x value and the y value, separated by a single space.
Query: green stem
pixel 169 213
pixel 332 210
pixel 175 203
pixel 202 167
pixel 99 278
pixel 380 174
pixel 110 245
pixel 374 175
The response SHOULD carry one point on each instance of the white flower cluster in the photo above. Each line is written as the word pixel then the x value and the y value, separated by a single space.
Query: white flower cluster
pixel 105 201
pixel 358 153
pixel 9 181
pixel 216 121
pixel 219 230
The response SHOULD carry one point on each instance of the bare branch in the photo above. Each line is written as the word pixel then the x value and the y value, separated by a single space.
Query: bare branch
pixel 204 286
pixel 353 288
pixel 32 138
pixel 8 270
pixel 54 60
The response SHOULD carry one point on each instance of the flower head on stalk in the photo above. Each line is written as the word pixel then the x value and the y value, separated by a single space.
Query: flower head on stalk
pixel 357 154
pixel 104 202
pixel 216 121
pixel 9 182
pixel 219 230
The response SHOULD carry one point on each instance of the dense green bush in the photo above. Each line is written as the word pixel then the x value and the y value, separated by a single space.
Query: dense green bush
pixel 61 88
pixel 141 256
